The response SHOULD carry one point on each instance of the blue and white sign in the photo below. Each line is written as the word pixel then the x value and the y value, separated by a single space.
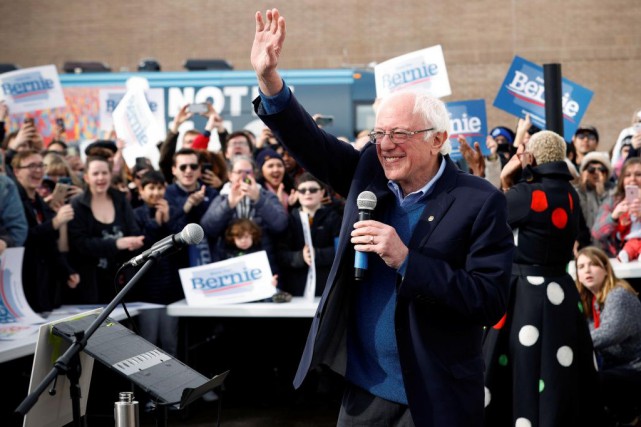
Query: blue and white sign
pixel 424 69
pixel 136 125
pixel 31 89
pixel 241 279
pixel 111 97
pixel 468 119
pixel 523 91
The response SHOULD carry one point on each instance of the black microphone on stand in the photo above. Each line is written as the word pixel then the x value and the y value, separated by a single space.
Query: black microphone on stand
pixel 366 202
pixel 190 235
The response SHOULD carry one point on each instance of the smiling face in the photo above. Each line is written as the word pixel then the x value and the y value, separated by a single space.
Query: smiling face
pixel 590 273
pixel 30 172
pixel 632 175
pixel 273 171
pixel 237 146
pixel 152 193
pixel 411 164
pixel 98 175
pixel 186 170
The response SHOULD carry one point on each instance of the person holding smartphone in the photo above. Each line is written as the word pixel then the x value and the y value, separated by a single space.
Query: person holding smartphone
pixel 619 217
pixel 243 197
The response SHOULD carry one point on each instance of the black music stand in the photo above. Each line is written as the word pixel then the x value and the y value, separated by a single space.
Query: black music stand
pixel 165 378
pixel 80 331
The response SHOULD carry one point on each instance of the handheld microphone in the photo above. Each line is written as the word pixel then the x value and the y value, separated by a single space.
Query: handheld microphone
pixel 190 235
pixel 366 202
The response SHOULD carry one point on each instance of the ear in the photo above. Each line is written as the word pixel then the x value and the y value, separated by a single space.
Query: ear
pixel 440 138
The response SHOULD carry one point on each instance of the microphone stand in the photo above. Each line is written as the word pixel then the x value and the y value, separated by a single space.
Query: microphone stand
pixel 69 363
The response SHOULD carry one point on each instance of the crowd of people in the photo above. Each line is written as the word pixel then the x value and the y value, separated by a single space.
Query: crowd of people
pixel 562 202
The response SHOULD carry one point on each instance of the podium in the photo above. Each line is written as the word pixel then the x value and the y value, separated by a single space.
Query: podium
pixel 159 374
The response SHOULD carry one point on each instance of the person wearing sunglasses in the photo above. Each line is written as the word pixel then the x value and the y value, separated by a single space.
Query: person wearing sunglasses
pixel 595 185
pixel 585 140
pixel 190 197
pixel 407 335
pixel 295 257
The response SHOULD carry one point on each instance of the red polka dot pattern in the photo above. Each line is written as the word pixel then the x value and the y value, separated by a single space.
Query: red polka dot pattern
pixel 501 322
pixel 559 218
pixel 571 202
pixel 539 201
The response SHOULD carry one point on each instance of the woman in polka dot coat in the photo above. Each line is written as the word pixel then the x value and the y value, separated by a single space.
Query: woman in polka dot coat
pixel 539 360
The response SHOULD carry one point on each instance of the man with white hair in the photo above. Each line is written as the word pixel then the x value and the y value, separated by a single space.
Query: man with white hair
pixel 407 337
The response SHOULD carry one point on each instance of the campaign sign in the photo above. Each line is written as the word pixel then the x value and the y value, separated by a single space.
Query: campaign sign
pixel 110 98
pixel 31 89
pixel 523 91
pixel 422 69
pixel 468 119
pixel 136 125
pixel 241 279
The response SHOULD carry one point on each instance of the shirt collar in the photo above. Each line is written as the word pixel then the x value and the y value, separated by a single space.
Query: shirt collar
pixel 419 194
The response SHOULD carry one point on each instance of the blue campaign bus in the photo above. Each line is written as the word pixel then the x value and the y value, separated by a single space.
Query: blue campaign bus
pixel 345 94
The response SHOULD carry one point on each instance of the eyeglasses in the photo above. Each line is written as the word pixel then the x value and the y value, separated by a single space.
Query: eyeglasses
pixel 192 166
pixel 396 136
pixel 311 190
pixel 589 136
pixel 243 172
pixel 33 166
pixel 592 169
pixel 238 143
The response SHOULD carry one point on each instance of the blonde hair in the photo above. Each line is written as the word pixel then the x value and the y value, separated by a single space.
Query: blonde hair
pixel 610 281
pixel 546 147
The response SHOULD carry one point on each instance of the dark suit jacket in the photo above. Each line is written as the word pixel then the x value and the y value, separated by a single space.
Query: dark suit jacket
pixel 458 269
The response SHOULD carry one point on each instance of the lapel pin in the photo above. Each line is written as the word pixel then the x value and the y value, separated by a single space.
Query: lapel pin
pixel 431 218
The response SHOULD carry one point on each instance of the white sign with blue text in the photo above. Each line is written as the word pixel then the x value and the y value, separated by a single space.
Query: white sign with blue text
pixel 111 97
pixel 468 119
pixel 31 89
pixel 422 69
pixel 523 91
pixel 136 125
pixel 236 280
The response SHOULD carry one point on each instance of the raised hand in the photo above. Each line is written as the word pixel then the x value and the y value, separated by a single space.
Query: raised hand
pixel 182 116
pixel 265 53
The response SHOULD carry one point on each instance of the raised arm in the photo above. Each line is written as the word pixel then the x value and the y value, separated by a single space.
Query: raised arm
pixel 268 44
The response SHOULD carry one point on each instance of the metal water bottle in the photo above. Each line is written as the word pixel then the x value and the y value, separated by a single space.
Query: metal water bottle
pixel 126 410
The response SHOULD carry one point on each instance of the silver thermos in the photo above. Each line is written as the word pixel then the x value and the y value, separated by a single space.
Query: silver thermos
pixel 126 410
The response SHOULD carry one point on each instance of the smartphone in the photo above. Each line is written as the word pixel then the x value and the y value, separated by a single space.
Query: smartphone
pixel 198 108
pixel 324 120
pixel 61 123
pixel 631 193
pixel 28 120
pixel 59 194
pixel 64 180
pixel 637 128
pixel 208 167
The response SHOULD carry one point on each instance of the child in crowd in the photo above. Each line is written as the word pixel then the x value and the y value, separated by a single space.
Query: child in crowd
pixel 295 255
pixel 161 284
pixel 242 237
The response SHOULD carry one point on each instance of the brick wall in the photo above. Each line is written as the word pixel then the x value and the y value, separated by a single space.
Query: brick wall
pixel 598 43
